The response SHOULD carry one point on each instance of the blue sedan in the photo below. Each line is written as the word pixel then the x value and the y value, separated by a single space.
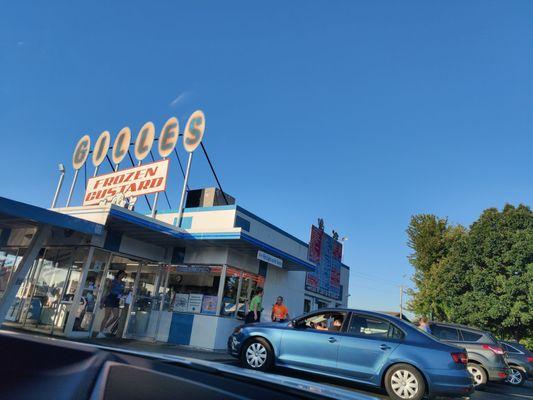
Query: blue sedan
pixel 362 346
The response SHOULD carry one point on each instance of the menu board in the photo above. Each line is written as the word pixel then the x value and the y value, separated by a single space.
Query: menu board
pixel 181 302
pixel 195 303
pixel 326 252
pixel 209 305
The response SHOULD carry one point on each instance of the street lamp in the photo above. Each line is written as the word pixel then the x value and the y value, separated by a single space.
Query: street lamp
pixel 61 169
pixel 344 239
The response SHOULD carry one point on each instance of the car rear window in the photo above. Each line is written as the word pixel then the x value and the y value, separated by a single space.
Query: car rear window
pixel 444 332
pixel 471 336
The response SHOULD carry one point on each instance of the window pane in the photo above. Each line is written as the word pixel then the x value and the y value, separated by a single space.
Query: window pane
pixel 194 288
pixel 368 327
pixel 9 261
pixel 324 321
pixel 229 296
pixel 471 336
pixel 250 282
pixel 445 333
pixel 395 333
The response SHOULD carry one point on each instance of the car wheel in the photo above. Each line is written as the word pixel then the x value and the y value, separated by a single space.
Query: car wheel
pixel 403 381
pixel 257 354
pixel 516 377
pixel 478 373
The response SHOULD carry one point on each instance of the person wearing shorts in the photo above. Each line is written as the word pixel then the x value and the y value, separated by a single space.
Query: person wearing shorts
pixel 112 302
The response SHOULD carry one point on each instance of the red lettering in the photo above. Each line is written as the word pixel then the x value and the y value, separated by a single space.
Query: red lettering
pixel 151 171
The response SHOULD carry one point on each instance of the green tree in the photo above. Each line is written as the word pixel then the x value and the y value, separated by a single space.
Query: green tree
pixel 481 276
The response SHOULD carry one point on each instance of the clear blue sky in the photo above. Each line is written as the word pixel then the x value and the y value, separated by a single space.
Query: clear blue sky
pixel 363 113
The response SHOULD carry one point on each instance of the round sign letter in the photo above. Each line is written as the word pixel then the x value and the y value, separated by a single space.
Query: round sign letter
pixel 194 131
pixel 144 141
pixel 169 137
pixel 121 145
pixel 100 148
pixel 81 152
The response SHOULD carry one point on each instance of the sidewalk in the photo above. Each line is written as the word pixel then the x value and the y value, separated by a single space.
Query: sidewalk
pixel 162 348
pixel 147 347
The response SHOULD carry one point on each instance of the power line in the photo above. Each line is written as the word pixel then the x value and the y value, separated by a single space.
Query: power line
pixel 214 173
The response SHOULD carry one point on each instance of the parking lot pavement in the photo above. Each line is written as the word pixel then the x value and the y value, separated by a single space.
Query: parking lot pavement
pixel 490 392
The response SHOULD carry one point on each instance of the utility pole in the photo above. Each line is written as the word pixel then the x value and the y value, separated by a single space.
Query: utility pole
pixel 401 301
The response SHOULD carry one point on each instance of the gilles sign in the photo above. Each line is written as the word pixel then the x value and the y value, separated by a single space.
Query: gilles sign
pixel 123 187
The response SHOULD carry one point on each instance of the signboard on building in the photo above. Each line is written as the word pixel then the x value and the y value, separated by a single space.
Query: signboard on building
pixel 261 255
pixel 326 252
pixel 126 184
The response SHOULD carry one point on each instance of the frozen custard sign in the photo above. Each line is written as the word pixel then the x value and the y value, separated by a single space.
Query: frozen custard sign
pixel 123 187
pixel 130 183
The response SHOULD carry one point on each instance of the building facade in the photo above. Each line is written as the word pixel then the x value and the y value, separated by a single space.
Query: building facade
pixel 189 284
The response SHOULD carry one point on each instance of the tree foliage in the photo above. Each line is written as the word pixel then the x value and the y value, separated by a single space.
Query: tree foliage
pixel 480 276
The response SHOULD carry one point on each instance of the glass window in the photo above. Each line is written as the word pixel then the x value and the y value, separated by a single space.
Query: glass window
pixel 250 282
pixel 510 349
pixel 331 321
pixel 444 332
pixel 368 327
pixel 307 306
pixel 471 336
pixel 395 333
pixel 9 261
pixel 193 288
pixel 229 294
pixel 87 309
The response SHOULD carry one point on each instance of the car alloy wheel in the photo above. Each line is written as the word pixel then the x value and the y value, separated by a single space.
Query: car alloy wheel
pixel 256 355
pixel 404 384
pixel 478 374
pixel 515 377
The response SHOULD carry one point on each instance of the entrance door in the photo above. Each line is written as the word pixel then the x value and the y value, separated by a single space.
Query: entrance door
pixel 145 305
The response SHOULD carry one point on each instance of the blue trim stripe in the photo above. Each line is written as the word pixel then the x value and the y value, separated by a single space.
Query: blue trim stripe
pixel 34 214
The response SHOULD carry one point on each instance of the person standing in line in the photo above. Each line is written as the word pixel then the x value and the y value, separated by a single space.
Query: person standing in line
pixel 256 306
pixel 112 302
pixel 423 325
pixel 280 312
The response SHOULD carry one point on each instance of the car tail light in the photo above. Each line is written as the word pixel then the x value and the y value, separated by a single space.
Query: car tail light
pixel 530 359
pixel 494 349
pixel 460 358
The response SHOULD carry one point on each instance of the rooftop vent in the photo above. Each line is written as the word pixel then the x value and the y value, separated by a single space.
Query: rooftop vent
pixel 208 197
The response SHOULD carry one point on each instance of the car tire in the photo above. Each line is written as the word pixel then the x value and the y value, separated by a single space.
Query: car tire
pixel 403 381
pixel 516 377
pixel 257 354
pixel 478 373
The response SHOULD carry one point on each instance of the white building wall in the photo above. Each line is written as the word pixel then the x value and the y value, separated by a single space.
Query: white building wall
pixel 289 284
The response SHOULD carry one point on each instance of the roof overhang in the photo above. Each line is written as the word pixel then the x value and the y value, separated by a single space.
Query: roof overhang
pixel 156 232
pixel 16 215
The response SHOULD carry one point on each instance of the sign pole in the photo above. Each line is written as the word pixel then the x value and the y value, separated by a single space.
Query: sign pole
pixel 72 187
pixel 95 171
pixel 184 190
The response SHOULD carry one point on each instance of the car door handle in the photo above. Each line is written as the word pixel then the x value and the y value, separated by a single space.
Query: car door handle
pixel 332 340
pixel 384 347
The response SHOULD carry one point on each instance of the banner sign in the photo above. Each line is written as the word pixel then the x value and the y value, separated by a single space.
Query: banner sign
pixel 130 183
pixel 261 255
pixel 326 252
